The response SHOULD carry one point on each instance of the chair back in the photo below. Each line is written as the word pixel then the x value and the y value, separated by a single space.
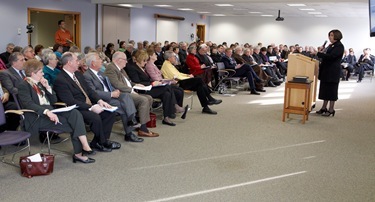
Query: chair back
pixel 220 68
pixel 2 114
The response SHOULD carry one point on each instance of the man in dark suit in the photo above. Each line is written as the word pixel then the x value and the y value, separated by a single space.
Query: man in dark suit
pixel 160 56
pixel 71 88
pixel 97 81
pixel 11 77
pixel 5 55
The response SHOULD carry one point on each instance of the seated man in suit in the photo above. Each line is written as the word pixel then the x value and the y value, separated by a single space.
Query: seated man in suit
pixel 97 81
pixel 36 94
pixel 71 88
pixel 189 82
pixel 242 70
pixel 11 77
pixel 365 62
pixel 120 80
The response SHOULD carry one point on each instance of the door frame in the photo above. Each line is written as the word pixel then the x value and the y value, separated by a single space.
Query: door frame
pixel 203 28
pixel 76 16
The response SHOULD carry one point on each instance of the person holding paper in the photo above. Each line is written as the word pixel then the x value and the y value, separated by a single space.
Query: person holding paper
pixel 97 81
pixel 120 80
pixel 138 75
pixel 36 94
pixel 189 82
pixel 71 88
pixel 63 36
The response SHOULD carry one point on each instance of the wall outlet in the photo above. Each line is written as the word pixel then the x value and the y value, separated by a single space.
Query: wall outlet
pixel 19 31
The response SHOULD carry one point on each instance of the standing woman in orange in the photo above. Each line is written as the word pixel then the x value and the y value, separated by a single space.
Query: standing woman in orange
pixel 330 72
pixel 63 36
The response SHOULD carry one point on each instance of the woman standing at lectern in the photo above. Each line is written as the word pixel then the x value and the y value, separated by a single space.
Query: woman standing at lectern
pixel 329 72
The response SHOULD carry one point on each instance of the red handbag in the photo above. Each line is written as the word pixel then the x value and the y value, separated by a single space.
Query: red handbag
pixel 152 122
pixel 30 169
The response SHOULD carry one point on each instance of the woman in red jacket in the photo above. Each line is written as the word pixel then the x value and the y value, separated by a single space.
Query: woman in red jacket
pixel 197 69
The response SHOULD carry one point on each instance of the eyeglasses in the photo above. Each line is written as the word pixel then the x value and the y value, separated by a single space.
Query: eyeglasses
pixel 123 59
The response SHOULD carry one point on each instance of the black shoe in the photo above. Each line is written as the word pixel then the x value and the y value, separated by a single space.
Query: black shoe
pixel 254 92
pixel 131 137
pixel 88 160
pixel 260 90
pixel 112 144
pixel 85 153
pixel 359 81
pixel 328 113
pixel 101 148
pixel 168 123
pixel 271 84
pixel 183 116
pixel 214 102
pixel 321 111
pixel 207 110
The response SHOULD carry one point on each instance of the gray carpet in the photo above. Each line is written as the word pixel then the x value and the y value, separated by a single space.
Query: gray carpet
pixel 245 153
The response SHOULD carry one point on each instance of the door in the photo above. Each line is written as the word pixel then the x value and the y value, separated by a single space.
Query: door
pixel 116 25
pixel 45 26
pixel 201 32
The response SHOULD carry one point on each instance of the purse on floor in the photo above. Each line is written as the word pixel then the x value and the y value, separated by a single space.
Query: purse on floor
pixel 30 169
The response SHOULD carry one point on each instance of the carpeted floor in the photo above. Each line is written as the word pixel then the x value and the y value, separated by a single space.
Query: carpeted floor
pixel 245 153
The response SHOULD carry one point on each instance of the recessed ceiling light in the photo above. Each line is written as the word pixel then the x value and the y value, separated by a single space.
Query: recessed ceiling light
pixel 203 12
pixel 163 5
pixel 185 9
pixel 126 5
pixel 315 13
pixel 296 4
pixel 218 15
pixel 321 16
pixel 307 9
pixel 267 15
pixel 254 12
pixel 223 5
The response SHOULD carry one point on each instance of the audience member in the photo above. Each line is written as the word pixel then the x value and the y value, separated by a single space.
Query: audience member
pixel 120 80
pixel 50 71
pixel 188 82
pixel 71 88
pixel 37 95
pixel 5 55
pixel 97 81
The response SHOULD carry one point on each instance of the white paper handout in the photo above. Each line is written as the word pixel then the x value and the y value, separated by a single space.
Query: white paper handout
pixel 142 87
pixel 35 158
pixel 64 109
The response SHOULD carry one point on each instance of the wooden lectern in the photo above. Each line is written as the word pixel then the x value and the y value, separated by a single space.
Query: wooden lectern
pixel 300 99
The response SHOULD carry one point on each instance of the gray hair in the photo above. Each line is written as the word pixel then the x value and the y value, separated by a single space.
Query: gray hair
pixel 47 54
pixel 66 57
pixel 87 49
pixel 14 57
pixel 91 57
pixel 25 49
pixel 168 54
pixel 191 48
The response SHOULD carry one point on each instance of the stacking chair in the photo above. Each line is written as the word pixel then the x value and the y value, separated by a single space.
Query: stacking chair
pixel 226 75
pixel 50 132
pixel 12 140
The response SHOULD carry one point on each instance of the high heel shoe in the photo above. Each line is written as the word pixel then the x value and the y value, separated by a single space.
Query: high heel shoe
pixel 328 113
pixel 185 112
pixel 321 111
pixel 88 160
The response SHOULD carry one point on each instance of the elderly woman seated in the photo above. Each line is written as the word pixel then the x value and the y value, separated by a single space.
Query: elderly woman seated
pixel 36 94
pixel 188 82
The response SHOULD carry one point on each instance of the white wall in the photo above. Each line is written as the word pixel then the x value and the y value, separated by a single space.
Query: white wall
pixel 14 16
pixel 304 31
pixel 143 23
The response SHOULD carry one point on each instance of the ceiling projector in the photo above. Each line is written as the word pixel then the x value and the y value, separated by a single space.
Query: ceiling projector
pixel 279 18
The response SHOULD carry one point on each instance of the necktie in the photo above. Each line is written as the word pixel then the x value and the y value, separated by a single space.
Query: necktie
pixel 22 74
pixel 83 91
pixel 104 82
